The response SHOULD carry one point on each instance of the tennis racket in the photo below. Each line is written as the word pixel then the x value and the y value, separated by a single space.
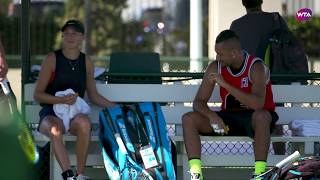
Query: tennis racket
pixel 24 135
pixel 126 163
pixel 276 171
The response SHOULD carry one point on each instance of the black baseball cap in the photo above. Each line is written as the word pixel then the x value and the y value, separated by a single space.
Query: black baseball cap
pixel 75 24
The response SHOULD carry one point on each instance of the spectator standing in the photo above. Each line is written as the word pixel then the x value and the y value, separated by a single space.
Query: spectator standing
pixel 253 29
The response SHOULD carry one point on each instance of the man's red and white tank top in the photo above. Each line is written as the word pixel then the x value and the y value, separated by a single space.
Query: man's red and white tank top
pixel 242 81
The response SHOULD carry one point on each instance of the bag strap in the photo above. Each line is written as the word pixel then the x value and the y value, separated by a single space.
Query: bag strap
pixel 263 49
pixel 276 22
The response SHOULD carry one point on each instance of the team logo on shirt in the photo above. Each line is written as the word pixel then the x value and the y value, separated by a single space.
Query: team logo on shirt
pixel 244 82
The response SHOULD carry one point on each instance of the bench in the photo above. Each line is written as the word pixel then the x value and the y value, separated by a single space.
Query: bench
pixel 177 100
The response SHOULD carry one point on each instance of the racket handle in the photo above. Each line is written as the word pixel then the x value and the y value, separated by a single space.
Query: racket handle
pixel 288 159
pixel 5 86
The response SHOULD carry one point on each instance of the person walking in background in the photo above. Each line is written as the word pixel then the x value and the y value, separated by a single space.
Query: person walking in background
pixel 63 69
pixel 253 29
pixel 247 103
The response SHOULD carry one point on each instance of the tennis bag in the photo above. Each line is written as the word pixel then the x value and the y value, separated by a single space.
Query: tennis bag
pixel 283 52
pixel 135 143
pixel 306 168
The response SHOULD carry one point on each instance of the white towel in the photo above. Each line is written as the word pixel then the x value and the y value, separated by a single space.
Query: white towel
pixel 67 112
pixel 305 127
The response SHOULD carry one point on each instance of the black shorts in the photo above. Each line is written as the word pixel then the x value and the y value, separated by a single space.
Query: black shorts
pixel 44 112
pixel 239 122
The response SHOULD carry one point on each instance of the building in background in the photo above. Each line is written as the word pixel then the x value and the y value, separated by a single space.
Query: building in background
pixel 135 8
pixel 39 8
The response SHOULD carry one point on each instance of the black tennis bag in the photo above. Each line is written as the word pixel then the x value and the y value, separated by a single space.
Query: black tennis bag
pixel 306 168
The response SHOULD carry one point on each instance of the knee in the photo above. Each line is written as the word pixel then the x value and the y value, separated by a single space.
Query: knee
pixel 261 118
pixel 55 131
pixel 187 120
pixel 52 127
pixel 84 125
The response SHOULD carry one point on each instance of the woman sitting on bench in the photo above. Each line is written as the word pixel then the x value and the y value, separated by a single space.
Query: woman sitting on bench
pixel 63 69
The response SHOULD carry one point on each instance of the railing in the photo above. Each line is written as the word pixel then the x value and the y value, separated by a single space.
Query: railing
pixel 309 76
pixel 177 70
pixel 168 63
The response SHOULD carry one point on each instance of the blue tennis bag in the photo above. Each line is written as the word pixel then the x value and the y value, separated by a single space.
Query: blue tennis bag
pixel 135 143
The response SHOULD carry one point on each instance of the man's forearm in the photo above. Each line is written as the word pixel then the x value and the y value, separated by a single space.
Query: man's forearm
pixel 203 109
pixel 253 101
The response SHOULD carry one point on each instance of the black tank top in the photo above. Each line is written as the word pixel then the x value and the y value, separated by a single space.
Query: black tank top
pixel 68 74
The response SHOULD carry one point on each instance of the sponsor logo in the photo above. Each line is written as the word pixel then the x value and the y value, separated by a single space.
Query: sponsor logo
pixel 304 14
pixel 244 82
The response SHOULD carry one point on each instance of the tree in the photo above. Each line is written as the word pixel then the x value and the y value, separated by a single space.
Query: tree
pixel 4 5
pixel 308 33
pixel 106 23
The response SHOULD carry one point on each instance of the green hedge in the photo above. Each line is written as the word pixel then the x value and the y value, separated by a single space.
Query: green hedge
pixel 308 32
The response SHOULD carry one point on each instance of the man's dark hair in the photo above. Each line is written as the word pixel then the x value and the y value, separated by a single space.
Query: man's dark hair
pixel 251 3
pixel 226 35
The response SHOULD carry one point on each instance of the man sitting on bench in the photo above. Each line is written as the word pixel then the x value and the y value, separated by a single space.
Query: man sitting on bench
pixel 247 103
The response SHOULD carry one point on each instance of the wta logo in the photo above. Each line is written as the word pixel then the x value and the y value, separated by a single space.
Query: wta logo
pixel 304 14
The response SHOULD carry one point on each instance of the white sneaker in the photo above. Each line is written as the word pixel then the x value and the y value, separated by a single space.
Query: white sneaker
pixel 81 177
pixel 71 178
pixel 195 176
